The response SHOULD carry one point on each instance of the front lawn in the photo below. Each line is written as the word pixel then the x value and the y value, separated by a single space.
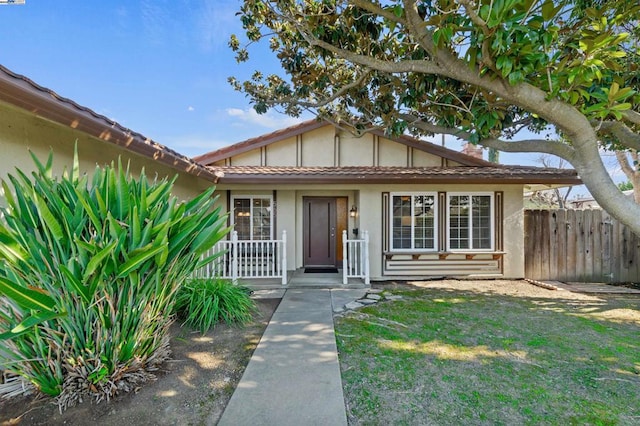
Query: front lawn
pixel 492 353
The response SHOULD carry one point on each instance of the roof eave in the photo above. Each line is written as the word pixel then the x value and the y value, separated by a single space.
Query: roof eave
pixel 22 93
pixel 371 179
pixel 258 142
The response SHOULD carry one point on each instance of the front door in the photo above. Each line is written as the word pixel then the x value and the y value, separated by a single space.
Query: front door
pixel 319 231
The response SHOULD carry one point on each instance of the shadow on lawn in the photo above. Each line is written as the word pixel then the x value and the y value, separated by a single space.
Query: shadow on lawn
pixel 489 355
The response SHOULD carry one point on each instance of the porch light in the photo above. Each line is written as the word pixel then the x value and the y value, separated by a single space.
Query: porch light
pixel 354 211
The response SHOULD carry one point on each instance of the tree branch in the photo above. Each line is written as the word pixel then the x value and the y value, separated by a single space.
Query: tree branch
pixel 624 134
pixel 631 116
pixel 623 160
pixel 559 149
pixel 323 102
pixel 375 9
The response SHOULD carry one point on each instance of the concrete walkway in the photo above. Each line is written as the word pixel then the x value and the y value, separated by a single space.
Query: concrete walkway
pixel 293 377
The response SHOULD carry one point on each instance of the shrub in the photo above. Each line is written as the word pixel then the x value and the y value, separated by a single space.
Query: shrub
pixel 202 303
pixel 89 271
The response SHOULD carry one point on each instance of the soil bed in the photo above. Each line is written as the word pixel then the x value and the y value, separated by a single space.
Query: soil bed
pixel 191 388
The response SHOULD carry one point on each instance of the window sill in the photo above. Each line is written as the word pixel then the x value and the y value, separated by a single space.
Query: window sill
pixel 442 255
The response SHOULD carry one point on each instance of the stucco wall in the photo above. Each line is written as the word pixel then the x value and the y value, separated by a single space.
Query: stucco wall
pixel 321 147
pixel 21 132
pixel 368 198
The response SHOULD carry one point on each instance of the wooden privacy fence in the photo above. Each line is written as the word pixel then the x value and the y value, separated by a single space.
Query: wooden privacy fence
pixel 579 245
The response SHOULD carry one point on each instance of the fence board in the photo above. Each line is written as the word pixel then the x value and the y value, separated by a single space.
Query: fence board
pixel 579 245
pixel 561 235
pixel 588 246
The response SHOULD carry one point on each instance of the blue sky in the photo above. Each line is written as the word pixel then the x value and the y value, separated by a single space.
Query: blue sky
pixel 157 67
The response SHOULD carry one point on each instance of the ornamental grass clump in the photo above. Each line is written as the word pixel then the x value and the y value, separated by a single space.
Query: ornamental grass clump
pixel 202 303
pixel 89 271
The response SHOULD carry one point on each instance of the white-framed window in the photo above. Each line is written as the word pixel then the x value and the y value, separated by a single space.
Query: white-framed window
pixel 253 216
pixel 470 221
pixel 414 221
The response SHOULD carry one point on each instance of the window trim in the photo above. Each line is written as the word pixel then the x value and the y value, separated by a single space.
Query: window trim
pixel 251 197
pixel 492 221
pixel 436 233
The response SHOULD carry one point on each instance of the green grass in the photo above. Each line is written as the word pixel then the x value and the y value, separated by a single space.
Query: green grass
pixel 453 357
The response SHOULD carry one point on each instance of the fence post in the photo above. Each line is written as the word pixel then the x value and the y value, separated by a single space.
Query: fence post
pixel 345 268
pixel 366 258
pixel 234 257
pixel 284 257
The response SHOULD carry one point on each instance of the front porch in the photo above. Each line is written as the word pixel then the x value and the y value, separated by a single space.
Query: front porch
pixel 262 264
pixel 300 279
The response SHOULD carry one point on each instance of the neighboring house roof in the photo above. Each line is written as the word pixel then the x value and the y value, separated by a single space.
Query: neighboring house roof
pixel 589 202
pixel 307 126
pixel 367 174
pixel 21 92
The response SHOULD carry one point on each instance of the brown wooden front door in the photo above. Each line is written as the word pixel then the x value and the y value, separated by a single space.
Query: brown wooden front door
pixel 320 231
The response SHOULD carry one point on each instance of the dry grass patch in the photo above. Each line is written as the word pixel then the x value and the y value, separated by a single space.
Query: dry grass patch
pixel 498 352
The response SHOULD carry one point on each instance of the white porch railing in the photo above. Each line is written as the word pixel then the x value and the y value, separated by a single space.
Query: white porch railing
pixel 247 259
pixel 355 258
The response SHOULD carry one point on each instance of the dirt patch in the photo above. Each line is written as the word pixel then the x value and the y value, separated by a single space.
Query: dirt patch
pixel 192 388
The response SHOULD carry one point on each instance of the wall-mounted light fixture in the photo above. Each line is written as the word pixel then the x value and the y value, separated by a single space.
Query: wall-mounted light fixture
pixel 354 211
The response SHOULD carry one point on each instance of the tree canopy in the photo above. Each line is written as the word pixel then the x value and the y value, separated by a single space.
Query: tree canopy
pixel 483 70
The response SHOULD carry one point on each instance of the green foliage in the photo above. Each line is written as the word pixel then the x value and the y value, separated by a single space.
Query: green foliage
pixel 583 54
pixel 202 303
pixel 490 72
pixel 625 186
pixel 89 269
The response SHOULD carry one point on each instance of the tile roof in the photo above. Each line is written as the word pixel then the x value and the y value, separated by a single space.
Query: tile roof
pixel 487 174
pixel 23 93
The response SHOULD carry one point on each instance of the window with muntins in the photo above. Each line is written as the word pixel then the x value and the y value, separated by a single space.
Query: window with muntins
pixel 413 221
pixel 252 217
pixel 470 221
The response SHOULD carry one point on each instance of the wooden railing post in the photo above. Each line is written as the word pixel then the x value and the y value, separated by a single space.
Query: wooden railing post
pixel 345 267
pixel 366 258
pixel 234 257
pixel 284 257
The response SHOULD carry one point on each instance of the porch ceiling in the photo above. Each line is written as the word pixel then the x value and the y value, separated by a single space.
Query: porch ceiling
pixel 465 174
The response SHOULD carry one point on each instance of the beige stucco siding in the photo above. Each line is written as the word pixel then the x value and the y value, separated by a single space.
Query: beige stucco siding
pixel 356 151
pixel 21 132
pixel 251 158
pixel 392 153
pixel 318 147
pixel 368 199
pixel 424 159
pixel 282 153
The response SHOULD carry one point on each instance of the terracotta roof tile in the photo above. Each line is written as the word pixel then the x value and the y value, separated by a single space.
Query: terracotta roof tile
pixel 497 173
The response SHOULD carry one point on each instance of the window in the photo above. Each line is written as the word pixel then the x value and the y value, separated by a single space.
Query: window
pixel 470 222
pixel 252 217
pixel 413 222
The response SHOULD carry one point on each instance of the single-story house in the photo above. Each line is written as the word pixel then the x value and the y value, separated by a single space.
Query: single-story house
pixel 379 207
pixel 309 196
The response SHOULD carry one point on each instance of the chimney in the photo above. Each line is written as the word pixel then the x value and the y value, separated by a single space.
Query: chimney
pixel 472 150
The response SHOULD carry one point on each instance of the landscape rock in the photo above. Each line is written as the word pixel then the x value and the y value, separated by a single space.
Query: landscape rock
pixel 393 297
pixel 366 301
pixel 353 305
pixel 373 296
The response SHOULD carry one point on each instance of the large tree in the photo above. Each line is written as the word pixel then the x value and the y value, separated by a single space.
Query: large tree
pixel 482 70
